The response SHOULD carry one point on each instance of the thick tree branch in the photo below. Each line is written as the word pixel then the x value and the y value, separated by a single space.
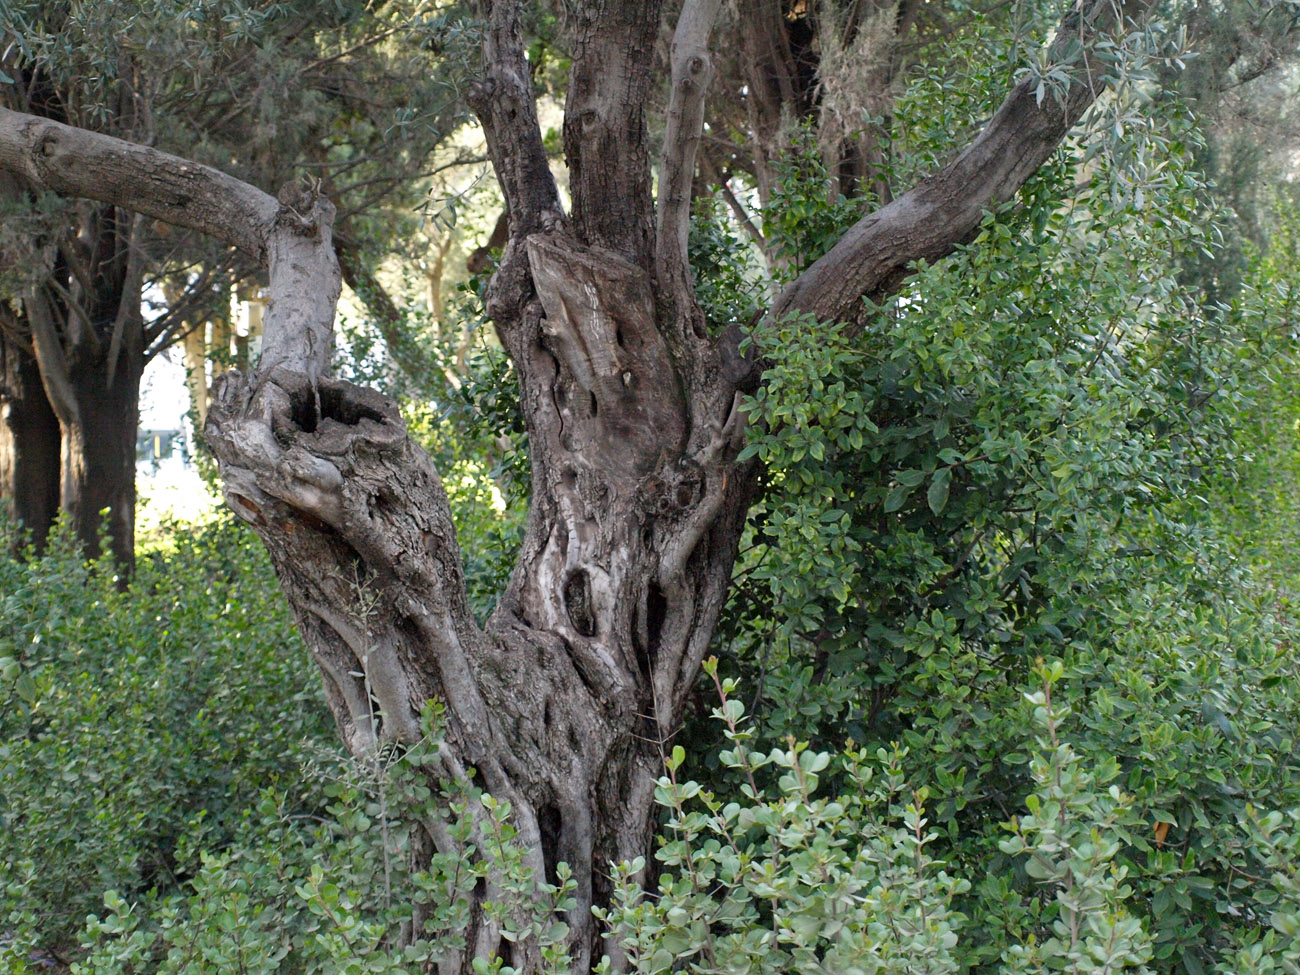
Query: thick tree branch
pixel 503 101
pixel 75 162
pixel 942 211
pixel 692 69
pixel 291 236
pixel 50 358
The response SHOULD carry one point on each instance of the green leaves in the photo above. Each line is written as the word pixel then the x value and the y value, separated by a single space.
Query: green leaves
pixel 937 494
pixel 896 496
pixel 139 725
pixel 788 881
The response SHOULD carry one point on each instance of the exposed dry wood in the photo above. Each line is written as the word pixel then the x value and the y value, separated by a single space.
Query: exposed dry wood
pixel 291 235
pixel 76 162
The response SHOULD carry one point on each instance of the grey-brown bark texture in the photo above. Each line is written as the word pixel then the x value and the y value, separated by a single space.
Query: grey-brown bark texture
pixel 561 701
pixel 74 348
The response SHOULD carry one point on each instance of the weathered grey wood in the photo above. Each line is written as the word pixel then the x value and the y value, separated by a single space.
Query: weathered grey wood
pixel 76 162
pixel 692 70
pixel 290 235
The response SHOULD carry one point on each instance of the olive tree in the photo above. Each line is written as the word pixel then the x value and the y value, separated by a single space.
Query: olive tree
pixel 559 703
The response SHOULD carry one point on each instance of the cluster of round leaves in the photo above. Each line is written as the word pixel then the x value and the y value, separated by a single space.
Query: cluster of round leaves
pixel 1019 456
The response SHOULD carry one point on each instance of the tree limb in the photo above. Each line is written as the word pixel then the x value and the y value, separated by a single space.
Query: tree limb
pixel 605 130
pixel 503 101
pixel 79 163
pixel 692 69
pixel 292 237
pixel 942 211
pixel 50 358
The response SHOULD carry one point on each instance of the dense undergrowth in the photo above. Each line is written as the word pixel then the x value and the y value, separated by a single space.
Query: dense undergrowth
pixel 141 726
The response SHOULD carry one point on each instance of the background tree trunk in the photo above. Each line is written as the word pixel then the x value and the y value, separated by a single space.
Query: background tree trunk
pixel 98 461
pixel 29 443
pixel 88 337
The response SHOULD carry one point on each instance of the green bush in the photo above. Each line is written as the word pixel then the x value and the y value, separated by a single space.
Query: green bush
pixel 138 726
pixel 332 891
pixel 1045 447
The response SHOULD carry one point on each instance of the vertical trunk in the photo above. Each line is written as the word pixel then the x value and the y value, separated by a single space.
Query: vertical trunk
pixel 196 374
pixel 29 444
pixel 97 471
pixel 88 339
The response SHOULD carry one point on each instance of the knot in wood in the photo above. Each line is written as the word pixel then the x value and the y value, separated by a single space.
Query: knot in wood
pixel 674 489
pixel 652 495
pixel 481 91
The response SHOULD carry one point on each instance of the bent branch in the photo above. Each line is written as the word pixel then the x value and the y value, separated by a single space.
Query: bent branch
pixel 76 162
pixel 942 211
pixel 290 235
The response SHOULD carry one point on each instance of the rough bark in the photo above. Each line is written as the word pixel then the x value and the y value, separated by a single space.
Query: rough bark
pixel 692 69
pixel 94 391
pixel 562 700
pixel 605 116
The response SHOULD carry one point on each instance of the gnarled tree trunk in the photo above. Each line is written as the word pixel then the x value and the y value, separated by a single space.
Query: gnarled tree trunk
pixel 562 700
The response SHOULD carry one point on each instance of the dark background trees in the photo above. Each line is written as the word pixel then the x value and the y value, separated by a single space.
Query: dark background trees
pixel 205 82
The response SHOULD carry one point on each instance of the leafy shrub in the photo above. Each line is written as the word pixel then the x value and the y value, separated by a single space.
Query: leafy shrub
pixel 1042 449
pixel 334 891
pixel 138 726
pixel 783 880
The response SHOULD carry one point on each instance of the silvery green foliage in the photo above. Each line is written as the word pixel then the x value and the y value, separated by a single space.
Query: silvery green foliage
pixel 1071 842
pixel 785 880
pixel 336 893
